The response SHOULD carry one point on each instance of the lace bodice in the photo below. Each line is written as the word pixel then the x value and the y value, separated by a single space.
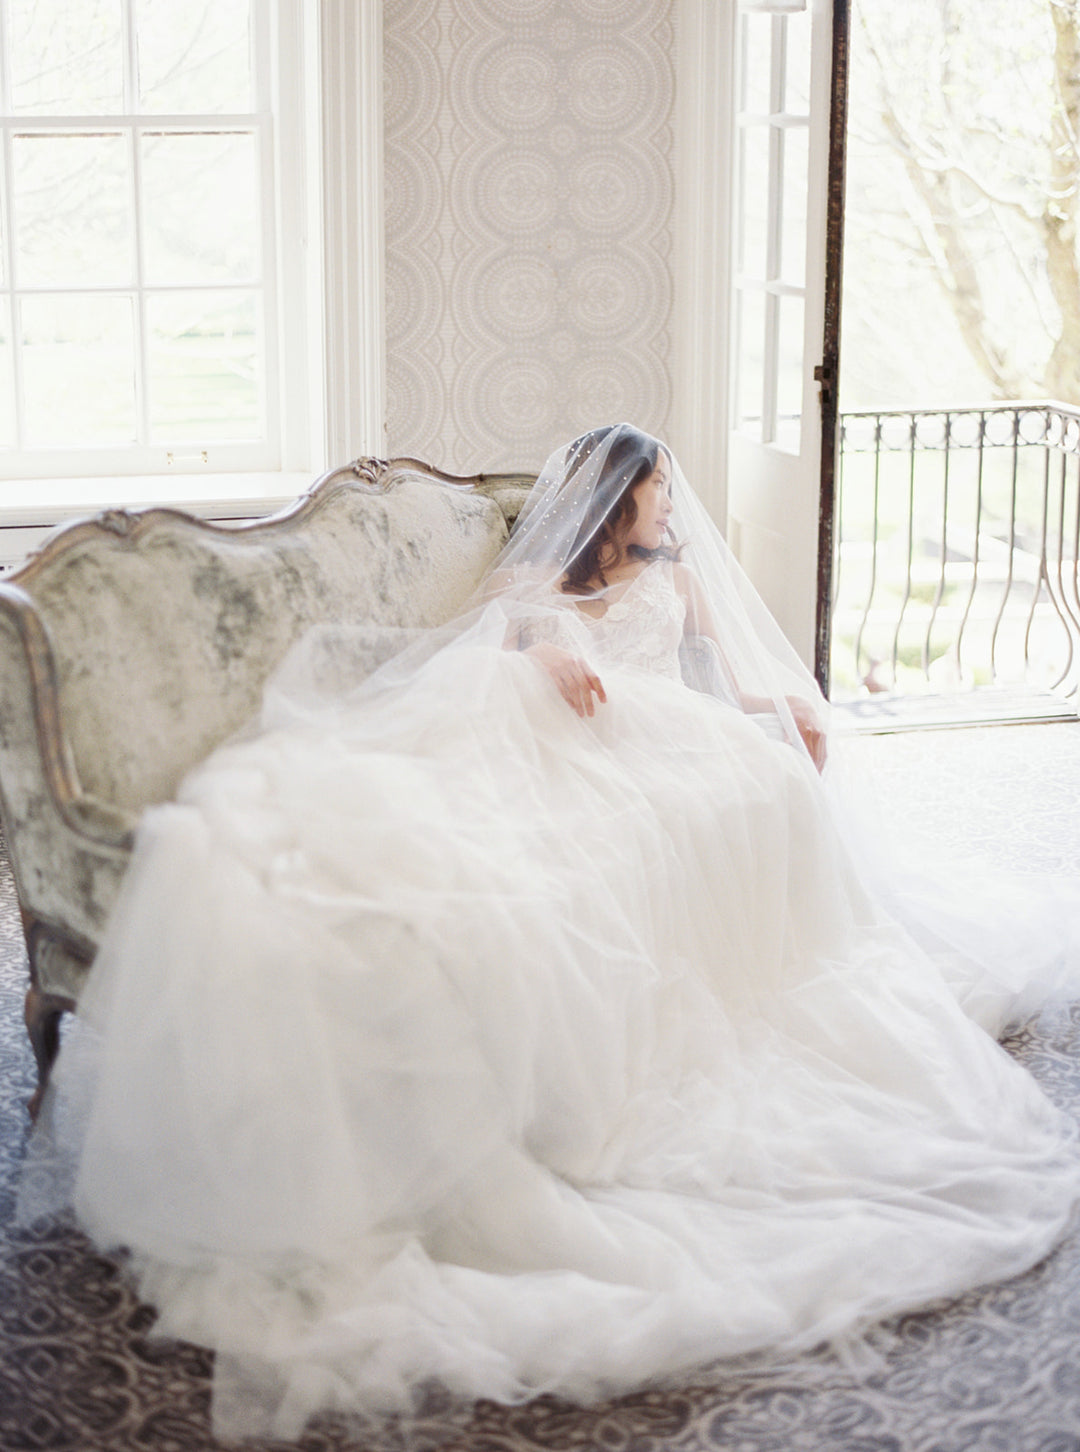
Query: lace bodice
pixel 643 627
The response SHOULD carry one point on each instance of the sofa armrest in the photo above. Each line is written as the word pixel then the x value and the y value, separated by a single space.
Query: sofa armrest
pixel 35 759
pixel 68 851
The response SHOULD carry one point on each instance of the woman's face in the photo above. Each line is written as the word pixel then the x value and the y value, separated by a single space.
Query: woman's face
pixel 653 499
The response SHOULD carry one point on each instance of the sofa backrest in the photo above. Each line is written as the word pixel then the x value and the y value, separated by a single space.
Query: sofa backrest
pixel 164 629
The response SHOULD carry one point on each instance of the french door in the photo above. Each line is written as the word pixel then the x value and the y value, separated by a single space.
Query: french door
pixel 790 87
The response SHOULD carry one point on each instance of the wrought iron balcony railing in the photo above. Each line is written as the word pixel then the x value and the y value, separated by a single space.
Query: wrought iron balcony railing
pixel 957 560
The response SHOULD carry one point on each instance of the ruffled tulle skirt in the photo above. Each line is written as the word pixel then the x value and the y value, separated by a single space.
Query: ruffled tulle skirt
pixel 445 1036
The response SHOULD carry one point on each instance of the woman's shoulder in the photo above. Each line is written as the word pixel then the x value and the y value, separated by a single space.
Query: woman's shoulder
pixel 684 579
pixel 516 579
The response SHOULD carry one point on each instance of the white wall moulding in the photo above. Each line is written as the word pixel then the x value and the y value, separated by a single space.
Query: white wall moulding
pixel 297 65
pixel 351 56
pixel 704 73
pixel 773 7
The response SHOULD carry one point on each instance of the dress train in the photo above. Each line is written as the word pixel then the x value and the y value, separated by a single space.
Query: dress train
pixel 446 1036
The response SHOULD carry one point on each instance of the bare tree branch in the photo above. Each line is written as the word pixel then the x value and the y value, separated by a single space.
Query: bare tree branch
pixel 1062 375
pixel 968 189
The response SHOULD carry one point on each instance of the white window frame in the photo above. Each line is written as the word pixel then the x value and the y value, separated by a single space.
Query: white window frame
pixel 350 48
pixel 767 425
pixel 327 259
pixel 704 58
pixel 141 455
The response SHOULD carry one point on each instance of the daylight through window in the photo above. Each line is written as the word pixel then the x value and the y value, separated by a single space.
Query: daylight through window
pixel 136 316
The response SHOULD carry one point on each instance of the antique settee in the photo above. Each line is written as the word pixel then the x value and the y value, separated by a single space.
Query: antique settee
pixel 132 643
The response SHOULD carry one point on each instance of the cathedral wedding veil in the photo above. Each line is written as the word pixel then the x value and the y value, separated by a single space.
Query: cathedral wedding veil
pixel 567 1054
pixel 736 647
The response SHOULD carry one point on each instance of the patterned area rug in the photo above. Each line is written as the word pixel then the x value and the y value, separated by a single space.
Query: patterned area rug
pixel 997 1371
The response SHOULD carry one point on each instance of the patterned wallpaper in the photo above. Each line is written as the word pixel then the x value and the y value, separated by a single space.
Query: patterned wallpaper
pixel 528 163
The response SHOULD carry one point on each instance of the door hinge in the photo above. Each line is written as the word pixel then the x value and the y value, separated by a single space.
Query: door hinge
pixel 825 374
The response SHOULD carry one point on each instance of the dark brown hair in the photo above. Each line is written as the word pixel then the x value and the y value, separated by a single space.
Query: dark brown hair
pixel 631 458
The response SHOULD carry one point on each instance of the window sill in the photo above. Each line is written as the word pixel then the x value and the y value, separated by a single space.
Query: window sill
pixel 211 496
pixel 31 508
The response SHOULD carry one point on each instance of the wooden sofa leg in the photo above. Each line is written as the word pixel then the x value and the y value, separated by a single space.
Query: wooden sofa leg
pixel 42 1013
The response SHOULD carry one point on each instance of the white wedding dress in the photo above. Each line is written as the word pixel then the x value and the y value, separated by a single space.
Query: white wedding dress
pixel 445 1035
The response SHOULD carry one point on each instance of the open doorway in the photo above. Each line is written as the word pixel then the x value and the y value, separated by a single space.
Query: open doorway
pixel 958 509
pixel 786 94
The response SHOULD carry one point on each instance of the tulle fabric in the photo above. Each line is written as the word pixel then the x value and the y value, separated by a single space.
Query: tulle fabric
pixel 444 1036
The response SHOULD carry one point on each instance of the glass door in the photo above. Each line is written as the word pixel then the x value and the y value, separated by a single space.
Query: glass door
pixel 784 89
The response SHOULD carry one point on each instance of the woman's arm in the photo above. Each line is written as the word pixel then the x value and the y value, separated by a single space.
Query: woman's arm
pixel 701 621
pixel 578 683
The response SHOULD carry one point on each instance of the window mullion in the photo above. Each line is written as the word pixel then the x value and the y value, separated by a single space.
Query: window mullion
pixel 142 377
pixel 266 163
pixel 131 105
pixel 7 100
pixel 106 288
pixel 131 64
pixel 13 301
pixel 195 122
pixel 772 236
pixel 269 397
pixel 261 60
pixel 7 202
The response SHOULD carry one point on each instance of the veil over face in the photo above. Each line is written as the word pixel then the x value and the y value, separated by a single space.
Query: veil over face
pixel 557 551
pixel 734 645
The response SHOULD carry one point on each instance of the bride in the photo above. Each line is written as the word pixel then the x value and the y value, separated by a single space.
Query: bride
pixel 518 1020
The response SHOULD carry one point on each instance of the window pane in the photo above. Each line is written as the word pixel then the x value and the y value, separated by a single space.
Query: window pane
pixel 3 223
pixel 204 351
pixel 200 208
pixel 72 210
pixel 194 57
pixel 753 233
pixel 789 380
pixel 67 57
pixel 797 79
pixel 751 361
pixel 7 381
pixel 78 370
pixel 793 238
pixel 757 64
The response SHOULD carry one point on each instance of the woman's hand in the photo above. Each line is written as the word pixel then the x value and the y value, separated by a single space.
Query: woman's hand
pixel 804 714
pixel 577 683
pixel 808 724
